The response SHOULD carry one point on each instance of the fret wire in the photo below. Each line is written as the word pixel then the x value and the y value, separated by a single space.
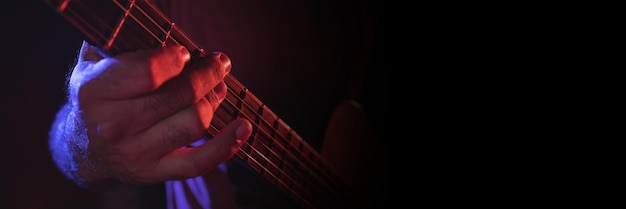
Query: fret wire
pixel 290 131
pixel 280 181
pixel 291 155
pixel 167 32
pixel 260 142
pixel 69 11
pixel 144 6
pixel 232 92
pixel 262 131
pixel 301 142
pixel 316 164
pixel 162 30
pixel 120 24
pixel 141 23
pixel 102 36
pixel 63 5
pixel 120 6
pixel 175 28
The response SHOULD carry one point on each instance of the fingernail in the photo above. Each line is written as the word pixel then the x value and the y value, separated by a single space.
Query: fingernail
pixel 224 59
pixel 243 131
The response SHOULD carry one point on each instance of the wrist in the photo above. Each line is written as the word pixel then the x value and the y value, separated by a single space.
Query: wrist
pixel 68 145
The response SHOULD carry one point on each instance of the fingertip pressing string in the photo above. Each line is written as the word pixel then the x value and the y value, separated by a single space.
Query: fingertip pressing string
pixel 243 131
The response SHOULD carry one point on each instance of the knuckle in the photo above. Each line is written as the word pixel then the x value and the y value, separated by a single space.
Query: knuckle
pixel 176 136
pixel 213 98
pixel 109 131
pixel 168 101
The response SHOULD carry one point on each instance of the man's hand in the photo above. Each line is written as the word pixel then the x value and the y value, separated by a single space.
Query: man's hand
pixel 129 116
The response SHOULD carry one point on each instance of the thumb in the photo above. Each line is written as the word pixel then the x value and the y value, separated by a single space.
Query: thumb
pixel 87 57
pixel 196 161
pixel 89 53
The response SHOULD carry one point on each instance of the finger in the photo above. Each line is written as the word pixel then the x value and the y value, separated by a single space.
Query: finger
pixel 135 73
pixel 192 162
pixel 193 84
pixel 217 95
pixel 137 121
pixel 178 130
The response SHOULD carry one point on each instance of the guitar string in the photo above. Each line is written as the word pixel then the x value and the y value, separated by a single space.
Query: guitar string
pixel 264 120
pixel 252 146
pixel 273 152
pixel 133 5
pixel 302 186
pixel 173 27
pixel 176 41
pixel 289 143
pixel 236 96
pixel 154 36
pixel 279 181
pixel 119 25
pixel 322 187
pixel 102 37
pixel 68 11
pixel 144 26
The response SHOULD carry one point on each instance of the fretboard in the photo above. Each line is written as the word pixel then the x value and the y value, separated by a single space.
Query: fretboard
pixel 275 151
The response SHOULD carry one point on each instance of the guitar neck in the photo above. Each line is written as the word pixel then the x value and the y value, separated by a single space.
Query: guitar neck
pixel 275 151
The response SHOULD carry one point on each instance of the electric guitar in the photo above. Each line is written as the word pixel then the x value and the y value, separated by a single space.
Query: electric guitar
pixel 274 151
